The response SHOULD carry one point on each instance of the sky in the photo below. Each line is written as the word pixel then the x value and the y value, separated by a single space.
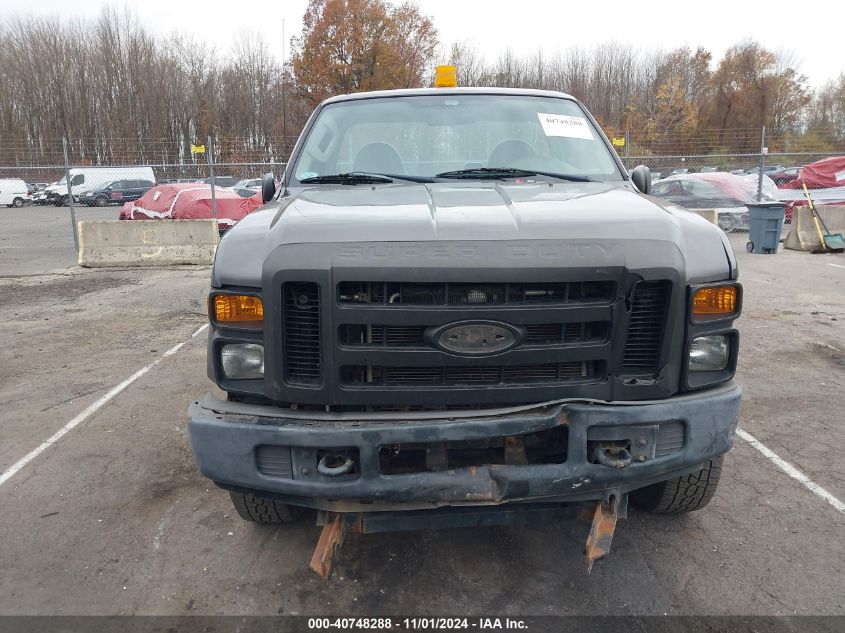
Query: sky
pixel 807 31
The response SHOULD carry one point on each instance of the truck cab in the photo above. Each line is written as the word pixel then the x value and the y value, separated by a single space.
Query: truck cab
pixel 460 298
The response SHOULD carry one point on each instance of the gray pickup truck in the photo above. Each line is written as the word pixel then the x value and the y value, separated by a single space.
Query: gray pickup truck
pixel 459 302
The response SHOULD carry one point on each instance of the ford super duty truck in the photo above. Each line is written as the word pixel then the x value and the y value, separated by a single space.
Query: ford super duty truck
pixel 460 305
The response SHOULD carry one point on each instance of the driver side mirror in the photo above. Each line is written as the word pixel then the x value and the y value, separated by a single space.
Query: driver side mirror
pixel 268 187
pixel 641 177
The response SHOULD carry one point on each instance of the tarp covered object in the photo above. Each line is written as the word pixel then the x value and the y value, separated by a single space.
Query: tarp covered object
pixel 829 172
pixel 190 201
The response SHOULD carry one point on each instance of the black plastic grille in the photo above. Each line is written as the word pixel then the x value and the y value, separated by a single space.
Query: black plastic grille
pixel 549 373
pixel 472 294
pixel 302 332
pixel 414 335
pixel 670 438
pixel 274 461
pixel 649 303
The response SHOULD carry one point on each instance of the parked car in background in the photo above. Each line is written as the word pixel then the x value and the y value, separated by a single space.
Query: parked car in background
pixel 682 170
pixel 13 192
pixel 41 195
pixel 84 179
pixel 727 193
pixel 248 187
pixel 222 181
pixel 767 169
pixel 116 192
pixel 783 176
pixel 709 169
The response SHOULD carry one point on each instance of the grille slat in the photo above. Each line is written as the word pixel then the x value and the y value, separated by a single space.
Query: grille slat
pixel 414 335
pixel 472 294
pixel 303 364
pixel 649 303
pixel 548 373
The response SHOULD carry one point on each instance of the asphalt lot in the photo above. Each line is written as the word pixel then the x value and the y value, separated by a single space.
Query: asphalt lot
pixel 39 239
pixel 112 518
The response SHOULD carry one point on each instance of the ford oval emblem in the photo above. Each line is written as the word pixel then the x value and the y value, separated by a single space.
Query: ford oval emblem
pixel 476 338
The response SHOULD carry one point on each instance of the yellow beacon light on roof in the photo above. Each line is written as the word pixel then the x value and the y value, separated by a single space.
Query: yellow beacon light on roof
pixel 445 77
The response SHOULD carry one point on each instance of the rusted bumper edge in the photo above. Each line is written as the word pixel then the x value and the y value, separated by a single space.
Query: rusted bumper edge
pixel 245 448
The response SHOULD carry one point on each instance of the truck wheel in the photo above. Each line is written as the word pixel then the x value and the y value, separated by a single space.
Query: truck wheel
pixel 259 510
pixel 17 203
pixel 682 494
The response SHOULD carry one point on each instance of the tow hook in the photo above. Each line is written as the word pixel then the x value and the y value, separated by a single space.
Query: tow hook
pixel 334 465
pixel 612 456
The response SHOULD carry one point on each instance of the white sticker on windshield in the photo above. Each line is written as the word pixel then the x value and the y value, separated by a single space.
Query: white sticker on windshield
pixel 565 125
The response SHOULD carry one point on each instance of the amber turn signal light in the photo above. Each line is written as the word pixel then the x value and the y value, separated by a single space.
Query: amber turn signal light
pixel 714 303
pixel 237 310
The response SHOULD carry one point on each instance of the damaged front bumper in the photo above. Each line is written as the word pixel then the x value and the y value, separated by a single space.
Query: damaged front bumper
pixel 543 453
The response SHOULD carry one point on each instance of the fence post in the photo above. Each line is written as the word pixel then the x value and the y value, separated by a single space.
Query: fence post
pixel 628 148
pixel 208 153
pixel 70 197
pixel 762 164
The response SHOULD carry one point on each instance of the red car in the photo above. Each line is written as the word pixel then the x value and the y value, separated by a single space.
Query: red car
pixel 190 201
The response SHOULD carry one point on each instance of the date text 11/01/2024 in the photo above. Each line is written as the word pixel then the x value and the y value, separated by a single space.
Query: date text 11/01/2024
pixel 417 624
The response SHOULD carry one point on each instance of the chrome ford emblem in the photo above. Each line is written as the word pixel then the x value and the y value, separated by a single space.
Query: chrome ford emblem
pixel 476 338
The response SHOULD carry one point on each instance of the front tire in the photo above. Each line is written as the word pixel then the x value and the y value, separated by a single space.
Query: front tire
pixel 260 510
pixel 682 494
pixel 17 203
pixel 100 201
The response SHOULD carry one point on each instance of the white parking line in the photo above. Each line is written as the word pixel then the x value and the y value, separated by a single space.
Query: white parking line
pixel 86 413
pixel 793 472
pixel 836 265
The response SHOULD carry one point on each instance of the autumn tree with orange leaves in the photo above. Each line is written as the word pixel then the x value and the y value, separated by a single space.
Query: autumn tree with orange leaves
pixel 357 45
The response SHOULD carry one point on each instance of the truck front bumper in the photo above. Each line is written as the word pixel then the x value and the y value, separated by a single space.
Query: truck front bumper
pixel 274 452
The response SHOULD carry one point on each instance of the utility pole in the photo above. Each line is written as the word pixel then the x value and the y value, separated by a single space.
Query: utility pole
pixel 284 97
pixel 762 165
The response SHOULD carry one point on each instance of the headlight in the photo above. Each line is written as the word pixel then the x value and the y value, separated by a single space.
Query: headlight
pixel 89 193
pixel 242 361
pixel 709 353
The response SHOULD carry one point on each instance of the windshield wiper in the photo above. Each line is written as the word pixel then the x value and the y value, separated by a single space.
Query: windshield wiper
pixel 360 178
pixel 352 178
pixel 496 173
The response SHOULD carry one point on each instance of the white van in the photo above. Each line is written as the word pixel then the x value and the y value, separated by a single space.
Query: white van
pixel 84 179
pixel 13 192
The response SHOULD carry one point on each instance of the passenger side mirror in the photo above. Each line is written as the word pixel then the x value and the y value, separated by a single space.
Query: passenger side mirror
pixel 268 187
pixel 641 177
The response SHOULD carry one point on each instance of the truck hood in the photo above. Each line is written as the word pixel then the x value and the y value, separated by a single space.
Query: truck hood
pixel 462 212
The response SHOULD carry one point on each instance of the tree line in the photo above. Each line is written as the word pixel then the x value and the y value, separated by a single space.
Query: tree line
pixel 121 93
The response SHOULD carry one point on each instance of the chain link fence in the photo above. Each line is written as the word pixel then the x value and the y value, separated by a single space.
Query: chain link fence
pixel 41 204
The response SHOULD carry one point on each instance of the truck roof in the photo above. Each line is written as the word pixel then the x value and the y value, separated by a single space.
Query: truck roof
pixel 413 92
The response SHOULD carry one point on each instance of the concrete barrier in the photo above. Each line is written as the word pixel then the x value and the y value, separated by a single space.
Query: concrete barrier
pixel 711 215
pixel 803 235
pixel 146 242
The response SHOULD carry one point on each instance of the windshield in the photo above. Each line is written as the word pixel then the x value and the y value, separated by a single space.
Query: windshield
pixel 424 136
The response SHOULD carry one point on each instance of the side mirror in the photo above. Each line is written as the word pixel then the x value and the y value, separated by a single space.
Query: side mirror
pixel 641 177
pixel 268 187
